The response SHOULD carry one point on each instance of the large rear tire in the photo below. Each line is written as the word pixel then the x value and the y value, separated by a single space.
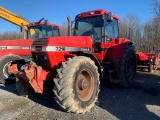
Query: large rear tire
pixel 4 71
pixel 77 85
pixel 128 65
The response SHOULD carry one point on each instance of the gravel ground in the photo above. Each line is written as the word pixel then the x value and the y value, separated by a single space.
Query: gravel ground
pixel 140 102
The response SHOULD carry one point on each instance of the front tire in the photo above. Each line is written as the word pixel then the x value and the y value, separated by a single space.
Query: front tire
pixel 77 85
pixel 128 65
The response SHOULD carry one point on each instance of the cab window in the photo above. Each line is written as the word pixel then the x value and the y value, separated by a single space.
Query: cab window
pixel 109 29
pixel 116 28
pixel 112 29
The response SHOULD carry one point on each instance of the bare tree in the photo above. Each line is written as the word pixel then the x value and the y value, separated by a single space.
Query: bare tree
pixel 64 30
pixel 156 8
pixel 123 28
pixel 130 28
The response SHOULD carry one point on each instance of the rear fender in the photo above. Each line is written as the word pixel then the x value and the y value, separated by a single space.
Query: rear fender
pixel 116 51
pixel 127 43
pixel 122 48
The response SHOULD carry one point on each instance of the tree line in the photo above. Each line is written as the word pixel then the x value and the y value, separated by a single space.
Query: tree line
pixel 11 35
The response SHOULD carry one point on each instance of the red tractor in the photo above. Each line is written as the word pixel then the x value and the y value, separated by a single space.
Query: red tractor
pixel 20 50
pixel 72 66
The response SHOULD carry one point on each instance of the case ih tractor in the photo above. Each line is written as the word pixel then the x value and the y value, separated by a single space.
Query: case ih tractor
pixel 72 66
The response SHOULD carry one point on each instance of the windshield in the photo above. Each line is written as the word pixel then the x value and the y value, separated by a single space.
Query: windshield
pixel 91 26
pixel 42 31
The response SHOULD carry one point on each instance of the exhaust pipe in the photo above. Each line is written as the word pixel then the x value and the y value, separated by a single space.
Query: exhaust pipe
pixel 24 32
pixel 40 20
pixel 69 25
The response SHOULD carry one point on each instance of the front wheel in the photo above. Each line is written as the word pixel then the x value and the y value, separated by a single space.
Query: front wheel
pixel 77 85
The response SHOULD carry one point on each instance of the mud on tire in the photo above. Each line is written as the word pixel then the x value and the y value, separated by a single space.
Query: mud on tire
pixel 128 65
pixel 77 85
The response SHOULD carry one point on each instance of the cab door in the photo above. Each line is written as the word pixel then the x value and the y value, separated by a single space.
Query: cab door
pixel 110 34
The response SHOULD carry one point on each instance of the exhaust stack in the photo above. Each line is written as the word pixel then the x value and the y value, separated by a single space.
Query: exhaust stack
pixel 69 26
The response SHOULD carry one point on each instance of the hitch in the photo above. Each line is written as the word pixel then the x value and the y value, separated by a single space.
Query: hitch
pixel 28 75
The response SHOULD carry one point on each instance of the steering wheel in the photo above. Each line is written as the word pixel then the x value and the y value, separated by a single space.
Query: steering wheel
pixel 91 32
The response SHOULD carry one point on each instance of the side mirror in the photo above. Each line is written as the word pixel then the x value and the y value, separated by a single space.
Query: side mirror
pixel 110 17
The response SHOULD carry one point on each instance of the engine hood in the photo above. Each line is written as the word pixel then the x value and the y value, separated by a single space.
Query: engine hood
pixel 71 41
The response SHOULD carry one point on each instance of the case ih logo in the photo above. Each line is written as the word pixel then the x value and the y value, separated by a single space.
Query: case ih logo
pixel 84 49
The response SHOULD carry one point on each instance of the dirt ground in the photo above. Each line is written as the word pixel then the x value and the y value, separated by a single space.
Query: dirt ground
pixel 140 102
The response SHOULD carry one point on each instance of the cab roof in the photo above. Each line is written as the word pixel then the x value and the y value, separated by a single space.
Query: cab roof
pixel 93 13
pixel 41 23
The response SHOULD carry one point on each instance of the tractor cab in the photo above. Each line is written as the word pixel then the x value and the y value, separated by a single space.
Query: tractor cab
pixel 42 29
pixel 101 25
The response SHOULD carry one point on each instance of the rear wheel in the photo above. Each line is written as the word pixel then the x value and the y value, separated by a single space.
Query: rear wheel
pixel 77 85
pixel 127 67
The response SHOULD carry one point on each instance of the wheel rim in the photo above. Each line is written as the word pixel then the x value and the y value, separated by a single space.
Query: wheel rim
pixel 6 71
pixel 85 85
pixel 130 68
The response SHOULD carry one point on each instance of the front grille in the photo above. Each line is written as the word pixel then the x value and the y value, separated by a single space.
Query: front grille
pixel 40 42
